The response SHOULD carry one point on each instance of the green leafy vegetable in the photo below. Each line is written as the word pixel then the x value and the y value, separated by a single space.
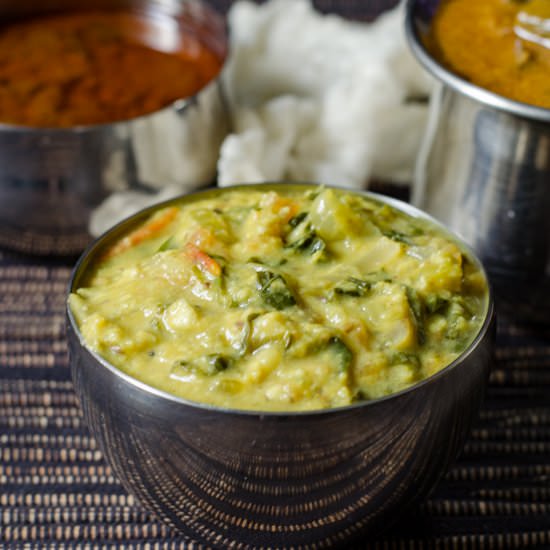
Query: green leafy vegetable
pixel 352 286
pixel 303 238
pixel 417 308
pixel 297 220
pixel 168 244
pixel 207 365
pixel 343 354
pixel 274 290
pixel 390 224
pixel 398 237
pixel 436 303
pixel 308 243
pixel 457 318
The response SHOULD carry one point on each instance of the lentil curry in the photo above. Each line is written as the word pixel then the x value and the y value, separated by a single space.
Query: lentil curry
pixel 294 298
pixel 87 68
pixel 500 45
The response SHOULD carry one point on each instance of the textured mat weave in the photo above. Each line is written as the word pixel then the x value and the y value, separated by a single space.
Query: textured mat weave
pixel 57 492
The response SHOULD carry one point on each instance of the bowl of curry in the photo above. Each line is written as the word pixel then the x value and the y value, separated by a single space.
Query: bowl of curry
pixel 497 51
pixel 484 164
pixel 102 97
pixel 279 364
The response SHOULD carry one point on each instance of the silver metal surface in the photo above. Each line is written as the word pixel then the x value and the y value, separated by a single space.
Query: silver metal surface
pixel 232 479
pixel 51 179
pixel 484 170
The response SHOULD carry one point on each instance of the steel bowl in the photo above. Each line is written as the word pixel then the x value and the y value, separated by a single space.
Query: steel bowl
pixel 483 169
pixel 51 179
pixel 241 479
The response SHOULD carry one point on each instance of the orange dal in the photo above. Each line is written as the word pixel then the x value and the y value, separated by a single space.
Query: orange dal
pixel 476 40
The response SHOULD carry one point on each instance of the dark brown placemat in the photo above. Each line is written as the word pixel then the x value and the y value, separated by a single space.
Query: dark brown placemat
pixel 56 491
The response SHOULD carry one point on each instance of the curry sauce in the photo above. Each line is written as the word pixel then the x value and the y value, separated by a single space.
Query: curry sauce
pixel 87 68
pixel 295 298
pixel 485 43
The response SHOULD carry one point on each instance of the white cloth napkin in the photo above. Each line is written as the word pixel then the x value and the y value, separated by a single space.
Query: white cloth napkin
pixel 313 98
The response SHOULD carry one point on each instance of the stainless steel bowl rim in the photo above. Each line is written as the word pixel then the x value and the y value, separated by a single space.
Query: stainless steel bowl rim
pixel 461 85
pixel 395 203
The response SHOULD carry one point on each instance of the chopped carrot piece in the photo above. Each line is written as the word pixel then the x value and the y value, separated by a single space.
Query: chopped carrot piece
pixel 152 226
pixel 204 261
pixel 286 208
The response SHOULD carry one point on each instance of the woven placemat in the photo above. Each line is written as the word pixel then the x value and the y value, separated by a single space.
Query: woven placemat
pixel 56 491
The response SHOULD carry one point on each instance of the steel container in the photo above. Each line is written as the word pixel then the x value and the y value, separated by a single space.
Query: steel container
pixel 52 179
pixel 484 170
pixel 246 479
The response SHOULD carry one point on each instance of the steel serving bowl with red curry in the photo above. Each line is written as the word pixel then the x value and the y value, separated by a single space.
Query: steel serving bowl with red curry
pixel 99 97
pixel 95 67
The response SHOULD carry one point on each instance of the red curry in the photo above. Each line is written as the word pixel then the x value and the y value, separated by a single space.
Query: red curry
pixel 97 67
